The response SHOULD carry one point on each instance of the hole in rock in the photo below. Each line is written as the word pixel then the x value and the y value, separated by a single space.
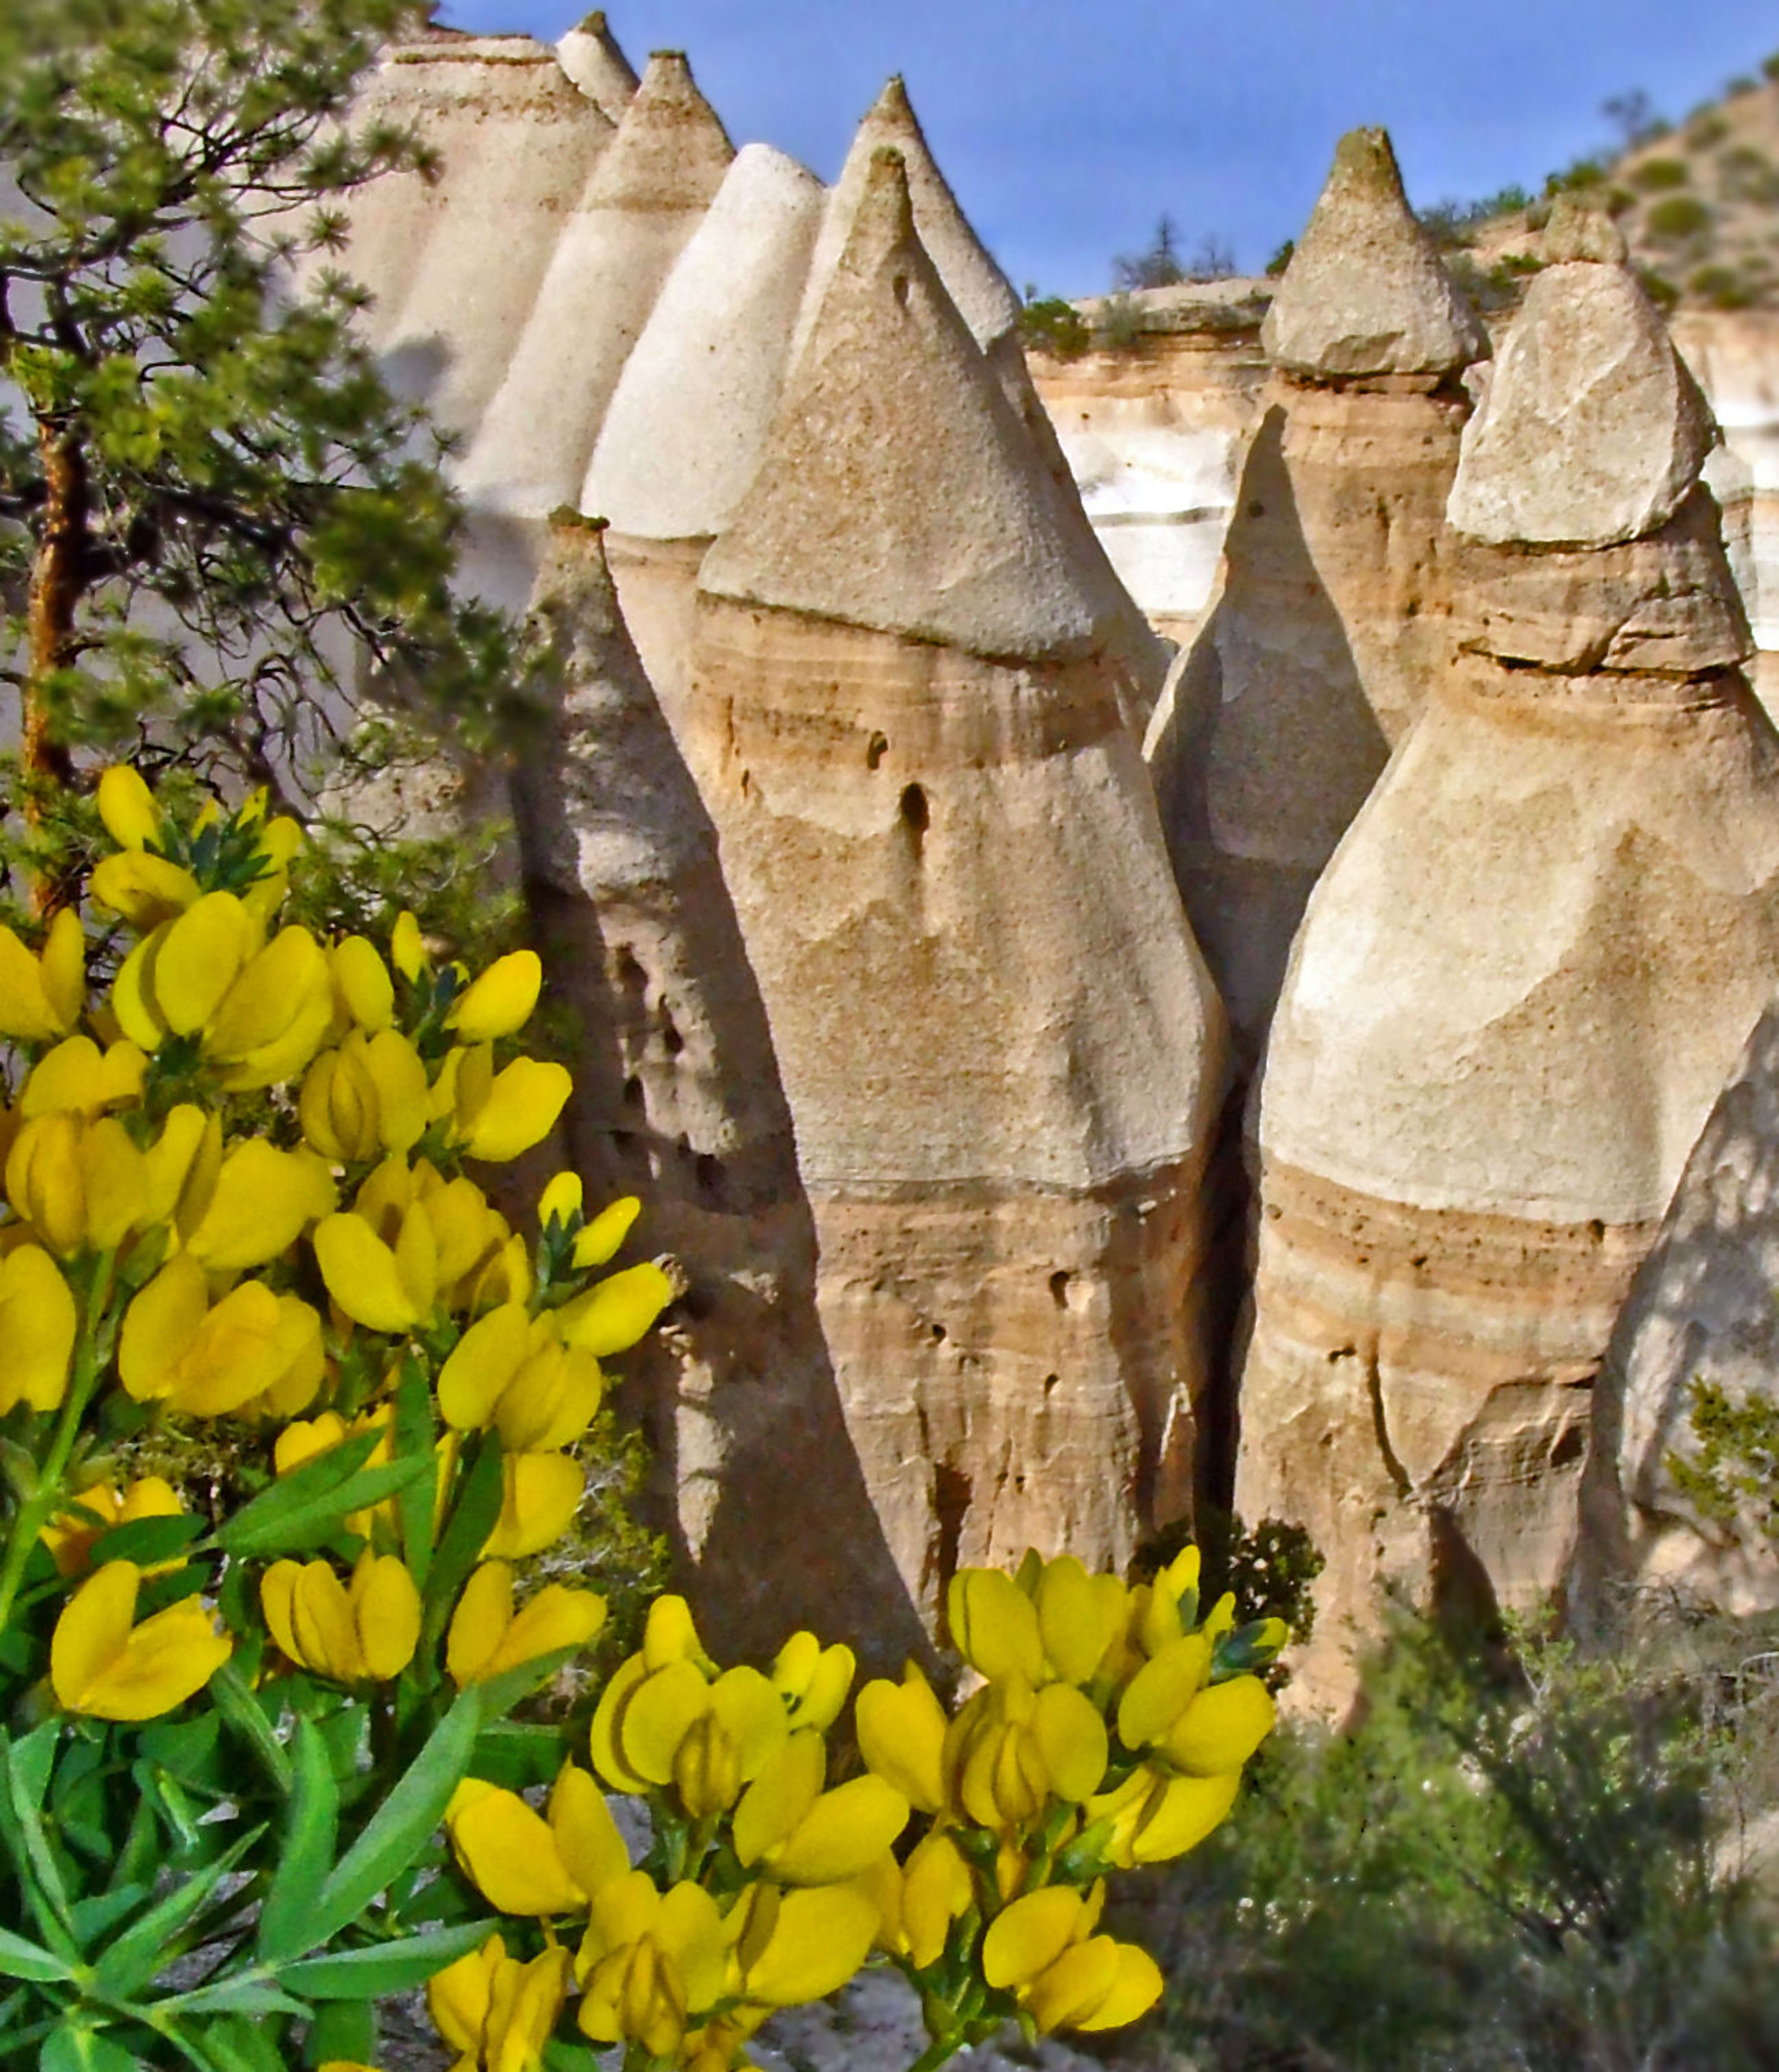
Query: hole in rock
pixel 938 1334
pixel 1058 1288
pixel 671 1040
pixel 951 1493
pixel 1050 1383
pixel 899 287
pixel 878 749
pixel 707 1171
pixel 915 814
pixel 628 973
pixel 1568 1448
pixel 632 1092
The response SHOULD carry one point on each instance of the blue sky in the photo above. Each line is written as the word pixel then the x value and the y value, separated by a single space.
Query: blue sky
pixel 1068 127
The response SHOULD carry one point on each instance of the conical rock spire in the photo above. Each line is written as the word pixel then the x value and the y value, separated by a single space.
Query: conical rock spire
pixel 645 200
pixel 898 491
pixel 1593 431
pixel 984 296
pixel 683 437
pixel 1366 292
pixel 591 56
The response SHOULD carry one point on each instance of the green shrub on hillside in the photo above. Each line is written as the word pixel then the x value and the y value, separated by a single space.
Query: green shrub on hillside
pixel 1721 286
pixel 1746 175
pixel 1678 219
pixel 1052 326
pixel 1657 175
pixel 1706 129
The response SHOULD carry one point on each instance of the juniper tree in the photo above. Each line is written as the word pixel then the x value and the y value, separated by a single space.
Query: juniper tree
pixel 210 508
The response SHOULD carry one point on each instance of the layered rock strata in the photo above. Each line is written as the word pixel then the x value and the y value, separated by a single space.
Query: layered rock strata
pixel 678 1097
pixel 1333 622
pixel 516 144
pixel 688 422
pixel 1514 997
pixel 644 199
pixel 1002 1054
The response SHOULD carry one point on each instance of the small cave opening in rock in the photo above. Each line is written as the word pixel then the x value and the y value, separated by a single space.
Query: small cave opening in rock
pixel 917 815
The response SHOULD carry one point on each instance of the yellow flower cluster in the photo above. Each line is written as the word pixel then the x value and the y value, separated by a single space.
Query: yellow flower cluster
pixel 289 1277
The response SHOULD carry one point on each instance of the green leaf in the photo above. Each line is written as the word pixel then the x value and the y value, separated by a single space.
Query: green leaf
pixel 72 2047
pixel 95 1918
pixel 241 1709
pixel 561 2056
pixel 415 1438
pixel 188 1748
pixel 341 2029
pixel 20 1959
pixel 519 1754
pixel 404 1823
pixel 255 1994
pixel 311 1830
pixel 131 1959
pixel 25 1776
pixel 147 1541
pixel 386 1967
pixel 473 1517
pixel 236 2044
pixel 305 1508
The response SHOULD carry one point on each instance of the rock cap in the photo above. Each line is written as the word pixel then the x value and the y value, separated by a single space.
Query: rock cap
pixel 1578 230
pixel 1591 430
pixel 1366 292
pixel 590 54
pixel 898 491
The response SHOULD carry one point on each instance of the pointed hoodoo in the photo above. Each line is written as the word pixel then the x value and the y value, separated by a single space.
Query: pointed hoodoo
pixel 1003 1056
pixel 678 1097
pixel 1366 292
pixel 1334 616
pixel 516 144
pixel 640 206
pixel 683 437
pixel 1593 431
pixel 590 56
pixel 1515 995
pixel 858 517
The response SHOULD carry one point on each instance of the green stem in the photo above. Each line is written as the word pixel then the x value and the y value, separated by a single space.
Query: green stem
pixel 90 1357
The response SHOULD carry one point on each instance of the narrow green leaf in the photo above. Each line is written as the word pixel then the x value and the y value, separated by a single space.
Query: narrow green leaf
pixel 131 1959
pixel 239 1706
pixel 473 1517
pixel 95 1918
pixel 236 2044
pixel 311 1828
pixel 519 1753
pixel 20 1959
pixel 403 1824
pixel 148 1540
pixel 25 1777
pixel 255 1994
pixel 386 1967
pixel 286 1526
pixel 341 2029
pixel 315 1480
pixel 415 1438
pixel 73 2046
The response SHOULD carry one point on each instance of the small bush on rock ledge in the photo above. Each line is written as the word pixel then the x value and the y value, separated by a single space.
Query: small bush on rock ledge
pixel 259 1768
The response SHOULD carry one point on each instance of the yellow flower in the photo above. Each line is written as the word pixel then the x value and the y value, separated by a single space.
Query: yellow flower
pixel 498 2012
pixel 364 991
pixel 41 996
pixel 148 891
pixel 500 1002
pixel 524 1864
pixel 561 1200
pixel 494 1117
pixel 487 1638
pixel 600 1239
pixel 71 1536
pixel 363 1632
pixel 1081 1617
pixel 38 1324
pixel 995 1625
pixel 672 1725
pixel 803 1835
pixel 78 1077
pixel 407 953
pixel 183 1165
pixel 902 1737
pixel 82 1185
pixel 414 1243
pixel 1010 1750
pixel 512 1372
pixel 1043 1948
pixel 813 1680
pixel 1150 1819
pixel 103 1664
pixel 791 1947
pixel 617 1312
pixel 542 1492
pixel 919 1900
pixel 1170 1711
pixel 127 807
pixel 650 1964
pixel 364 1098
pixel 210 1361
pixel 384 1287
pixel 260 1201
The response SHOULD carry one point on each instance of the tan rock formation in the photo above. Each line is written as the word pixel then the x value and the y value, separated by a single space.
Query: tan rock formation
pixel 643 202
pixel 590 54
pixel 678 1097
pixel 1333 622
pixel 1001 1053
pixel 1366 292
pixel 1591 430
pixel 687 424
pixel 1515 996
pixel 516 144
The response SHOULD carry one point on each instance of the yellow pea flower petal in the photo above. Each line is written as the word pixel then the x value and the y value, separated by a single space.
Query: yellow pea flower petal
pixel 406 950
pixel 386 1612
pixel 199 959
pixel 1160 1692
pixel 102 1665
pixel 181 1165
pixel 605 1741
pixel 599 1241
pixel 995 1625
pixel 561 1199
pixel 487 1638
pixel 1027 1936
pixel 63 968
pixel 1070 1732
pixel 362 980
pixel 77 1076
pixel 114 1181
pixel 592 1851
pixel 670 1635
pixel 510 1854
pixel 1135 1987
pixel 817 1940
pixel 521 1110
pixel 362 1275
pixel 543 1492
pixel 1222 1727
pixel 658 1717
pixel 127 807
pixel 38 1324
pixel 1080 1616
pixel 26 1013
pixel 500 1000
pixel 481 1364
pixel 1180 1814
pixel 400 1079
pixel 458 1997
pixel 618 1312
pixel 843 1833
pixel 147 890
pixel 337 1107
pixel 779 1799
pixel 901 1736
pixel 262 1200
pixel 936 1890
pixel 1072 1989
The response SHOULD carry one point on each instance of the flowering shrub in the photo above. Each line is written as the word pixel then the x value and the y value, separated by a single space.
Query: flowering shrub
pixel 258 1770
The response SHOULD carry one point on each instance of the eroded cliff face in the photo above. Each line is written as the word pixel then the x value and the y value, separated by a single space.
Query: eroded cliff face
pixel 1514 997
pixel 1003 1053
